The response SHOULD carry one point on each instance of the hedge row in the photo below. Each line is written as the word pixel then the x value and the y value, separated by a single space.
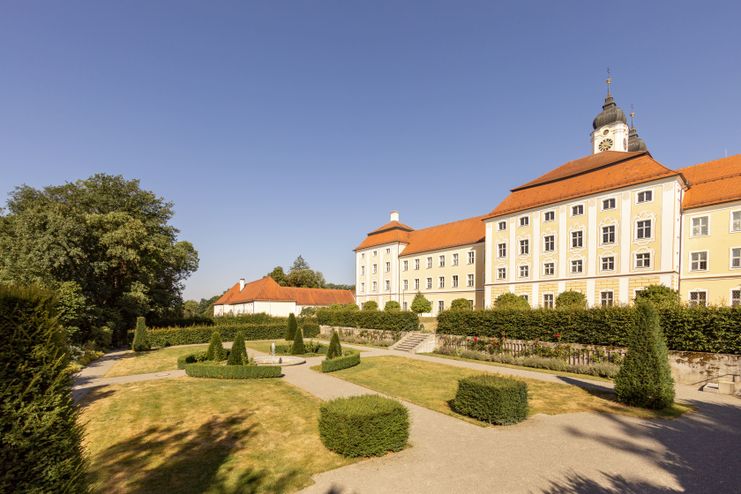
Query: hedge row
pixel 337 363
pixel 232 371
pixel 163 337
pixel 698 329
pixel 191 358
pixel 392 321
pixel 367 425
pixel 492 399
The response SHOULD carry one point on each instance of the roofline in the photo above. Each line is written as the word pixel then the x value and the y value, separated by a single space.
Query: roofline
pixel 379 245
pixel 395 227
pixel 711 203
pixel 441 248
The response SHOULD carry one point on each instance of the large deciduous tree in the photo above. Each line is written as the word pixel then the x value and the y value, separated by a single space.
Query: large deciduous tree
pixel 104 244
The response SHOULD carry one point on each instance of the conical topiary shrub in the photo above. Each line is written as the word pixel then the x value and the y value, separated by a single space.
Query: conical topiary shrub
pixel 645 379
pixel 141 341
pixel 291 329
pixel 215 348
pixel 238 353
pixel 335 349
pixel 298 343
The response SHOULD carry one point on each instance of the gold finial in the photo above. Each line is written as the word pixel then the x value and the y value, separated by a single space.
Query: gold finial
pixel 632 116
pixel 608 81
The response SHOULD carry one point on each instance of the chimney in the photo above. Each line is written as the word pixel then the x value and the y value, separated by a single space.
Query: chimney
pixel 394 216
pixel 241 284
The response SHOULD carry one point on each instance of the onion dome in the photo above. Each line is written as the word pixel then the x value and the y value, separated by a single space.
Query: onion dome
pixel 611 113
pixel 635 143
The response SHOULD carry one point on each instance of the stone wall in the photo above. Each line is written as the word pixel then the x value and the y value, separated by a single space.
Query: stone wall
pixel 379 337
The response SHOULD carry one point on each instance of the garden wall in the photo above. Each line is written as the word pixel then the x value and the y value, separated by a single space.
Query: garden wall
pixel 379 337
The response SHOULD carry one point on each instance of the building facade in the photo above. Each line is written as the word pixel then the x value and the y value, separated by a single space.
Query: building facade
pixel 607 225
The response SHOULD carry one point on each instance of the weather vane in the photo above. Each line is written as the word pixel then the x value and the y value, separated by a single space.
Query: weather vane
pixel 608 81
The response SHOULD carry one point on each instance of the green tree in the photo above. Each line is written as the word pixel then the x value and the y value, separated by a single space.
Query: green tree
pixel 510 301
pixel 460 304
pixel 392 306
pixel 645 378
pixel 571 299
pixel 141 341
pixel 659 295
pixel 238 353
pixel 215 348
pixel 298 347
pixel 191 308
pixel 420 305
pixel 279 275
pixel 335 349
pixel 301 275
pixel 109 237
pixel 291 328
pixel 370 305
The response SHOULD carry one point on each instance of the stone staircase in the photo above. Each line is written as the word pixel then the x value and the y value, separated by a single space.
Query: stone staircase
pixel 415 342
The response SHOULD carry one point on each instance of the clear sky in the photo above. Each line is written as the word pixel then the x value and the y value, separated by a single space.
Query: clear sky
pixel 281 128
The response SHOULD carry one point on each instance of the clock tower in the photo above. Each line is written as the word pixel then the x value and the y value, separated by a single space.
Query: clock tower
pixel 610 126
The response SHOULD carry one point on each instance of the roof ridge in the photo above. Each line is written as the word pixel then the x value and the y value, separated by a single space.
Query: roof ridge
pixel 480 216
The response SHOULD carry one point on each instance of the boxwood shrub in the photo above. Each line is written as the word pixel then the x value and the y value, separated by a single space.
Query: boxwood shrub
pixel 217 371
pixel 492 399
pixel 337 363
pixel 698 329
pixel 392 321
pixel 367 425
pixel 192 358
pixel 162 337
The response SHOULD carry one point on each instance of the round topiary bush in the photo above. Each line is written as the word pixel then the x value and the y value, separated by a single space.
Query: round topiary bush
pixel 492 399
pixel 367 425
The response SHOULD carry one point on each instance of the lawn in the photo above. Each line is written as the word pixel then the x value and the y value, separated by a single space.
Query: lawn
pixel 433 385
pixel 190 436
pixel 160 360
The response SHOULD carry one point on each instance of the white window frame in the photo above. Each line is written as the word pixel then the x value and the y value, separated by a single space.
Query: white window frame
pixel 416 264
pixel 614 235
pixel 644 191
pixel 471 257
pixel 523 268
pixel 502 225
pixel 440 306
pixel 580 208
pixel 602 263
pixel 738 302
pixel 454 282
pixel 429 283
pixel 387 285
pixel 404 305
pixel 502 250
pixel 416 283
pixel 699 261
pixel 374 270
pixel 730 222
pixel 375 287
pixel 525 247
pixel 524 221
pixel 375 253
pixel 406 285
pixel 602 298
pixel 635 260
pixel 581 239
pixel 574 263
pixel 549 303
pixel 362 288
pixel 545 243
pixel 454 261
pixel 695 304
pixel 545 270
pixel 429 262
pixel 441 261
pixel 388 250
pixel 441 281
pixel 650 226
pixel 552 213
pixel 606 200
pixel 406 265
pixel 501 273
pixel 471 280
pixel 692 226
pixel 362 270
pixel 731 258
pixel 388 267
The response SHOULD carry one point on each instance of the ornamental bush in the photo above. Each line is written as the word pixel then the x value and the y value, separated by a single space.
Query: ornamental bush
pixel 389 321
pixel 215 348
pixel 141 341
pixel 460 304
pixel 232 371
pixel 238 353
pixel 163 337
pixel 39 432
pixel 291 328
pixel 510 301
pixel 645 379
pixel 298 347
pixel 391 306
pixel 339 363
pixel 659 295
pixel 367 425
pixel 420 305
pixel 492 399
pixel 192 358
pixel 370 305
pixel 571 299
pixel 335 349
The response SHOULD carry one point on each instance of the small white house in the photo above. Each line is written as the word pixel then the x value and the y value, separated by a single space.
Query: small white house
pixel 267 296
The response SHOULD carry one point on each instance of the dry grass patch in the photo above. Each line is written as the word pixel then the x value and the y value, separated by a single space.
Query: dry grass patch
pixel 192 436
pixel 433 385
pixel 160 360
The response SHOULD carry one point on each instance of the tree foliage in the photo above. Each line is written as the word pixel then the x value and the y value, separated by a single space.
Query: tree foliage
pixel 291 327
pixel 298 347
pixel 141 340
pixel 238 352
pixel 571 299
pixel 659 295
pixel 511 301
pixel 335 349
pixel 215 348
pixel 104 243
pixel 370 305
pixel 460 304
pixel 392 306
pixel 420 305
pixel 299 275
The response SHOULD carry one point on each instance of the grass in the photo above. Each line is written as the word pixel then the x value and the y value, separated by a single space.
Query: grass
pixel 433 385
pixel 160 360
pixel 190 436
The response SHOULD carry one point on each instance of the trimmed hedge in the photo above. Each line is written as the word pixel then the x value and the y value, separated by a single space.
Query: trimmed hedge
pixel 192 358
pixel 391 321
pixel 367 425
pixel 162 337
pixel 217 371
pixel 492 399
pixel 698 329
pixel 338 363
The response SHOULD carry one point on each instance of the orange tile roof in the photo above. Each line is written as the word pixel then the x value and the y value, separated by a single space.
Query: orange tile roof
pixel 267 289
pixel 714 182
pixel 583 177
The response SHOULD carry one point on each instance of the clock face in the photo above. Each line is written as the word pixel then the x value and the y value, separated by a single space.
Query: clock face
pixel 605 144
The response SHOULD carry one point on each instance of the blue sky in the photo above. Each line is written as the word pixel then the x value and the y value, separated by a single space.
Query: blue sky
pixel 286 128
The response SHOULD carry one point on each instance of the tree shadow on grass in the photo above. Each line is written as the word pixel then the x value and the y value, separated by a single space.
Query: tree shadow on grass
pixel 191 462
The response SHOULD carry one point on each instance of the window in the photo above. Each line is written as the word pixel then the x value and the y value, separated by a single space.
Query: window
pixel 736 221
pixel 388 285
pixel 524 297
pixel 548 300
pixel 416 264
pixel 643 229
pixel 549 269
pixel 441 282
pixel 608 263
pixel 455 259
pixel 416 283
pixel 502 273
pixel 375 286
pixel 698 298
pixel 524 247
pixel 577 239
pixel 375 269
pixel 502 225
pixel 362 256
pixel 429 262
pixel 362 287
pixel 698 261
pixel 455 281
pixel 502 250
pixel 362 270
pixel 442 261
pixel 429 283
pixel 577 266
pixel 406 284
pixel 699 226
pixel 736 258
pixel 524 271
pixel 549 216
pixel 375 253
pixel 388 267
pixel 524 220
pixel 404 306
pixel 606 299
pixel 608 203
pixel 471 257
pixel 388 251
pixel 406 265
pixel 643 260
pixel 440 306
pixel 549 243
pixel 470 304
pixel 735 298
pixel 608 234
pixel 577 210
pixel 469 280
pixel 645 196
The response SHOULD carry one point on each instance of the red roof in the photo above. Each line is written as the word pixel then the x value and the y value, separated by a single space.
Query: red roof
pixel 714 182
pixel 267 289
